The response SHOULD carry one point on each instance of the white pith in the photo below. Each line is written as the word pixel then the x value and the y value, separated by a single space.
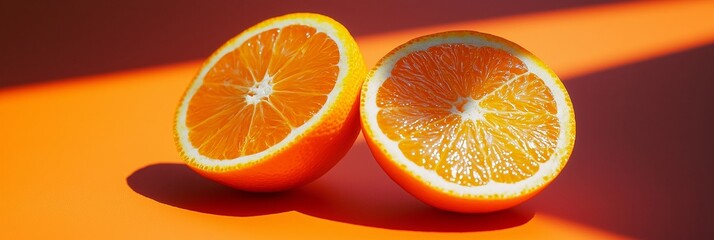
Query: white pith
pixel 468 109
pixel 260 91
pixel 492 189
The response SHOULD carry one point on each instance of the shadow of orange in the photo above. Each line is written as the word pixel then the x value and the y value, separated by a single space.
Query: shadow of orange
pixel 356 191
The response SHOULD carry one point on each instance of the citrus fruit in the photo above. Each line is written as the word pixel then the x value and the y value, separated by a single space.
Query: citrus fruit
pixel 467 121
pixel 275 107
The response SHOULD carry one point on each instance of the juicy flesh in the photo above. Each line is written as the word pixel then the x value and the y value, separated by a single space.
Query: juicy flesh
pixel 254 96
pixel 472 114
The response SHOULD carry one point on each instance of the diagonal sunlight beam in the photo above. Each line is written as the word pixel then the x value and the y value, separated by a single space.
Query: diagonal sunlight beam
pixel 579 41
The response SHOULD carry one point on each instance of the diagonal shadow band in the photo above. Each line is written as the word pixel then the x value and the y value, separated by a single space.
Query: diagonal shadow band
pixel 642 164
pixel 356 191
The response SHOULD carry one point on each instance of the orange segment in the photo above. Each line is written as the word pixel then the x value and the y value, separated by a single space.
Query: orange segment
pixel 274 107
pixel 466 115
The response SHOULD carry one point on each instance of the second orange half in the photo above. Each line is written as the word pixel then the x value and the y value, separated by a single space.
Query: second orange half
pixel 467 121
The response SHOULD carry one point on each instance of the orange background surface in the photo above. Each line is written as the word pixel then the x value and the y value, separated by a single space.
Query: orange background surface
pixel 93 157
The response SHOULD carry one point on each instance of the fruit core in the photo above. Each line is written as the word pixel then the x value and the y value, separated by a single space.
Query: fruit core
pixel 260 90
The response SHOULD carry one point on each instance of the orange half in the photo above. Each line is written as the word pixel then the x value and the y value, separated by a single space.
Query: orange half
pixel 274 107
pixel 467 121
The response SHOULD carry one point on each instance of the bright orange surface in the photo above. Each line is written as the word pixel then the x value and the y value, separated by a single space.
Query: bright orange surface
pixel 94 157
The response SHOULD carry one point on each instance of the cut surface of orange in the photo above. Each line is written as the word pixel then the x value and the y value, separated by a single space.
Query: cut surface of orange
pixel 275 107
pixel 467 121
